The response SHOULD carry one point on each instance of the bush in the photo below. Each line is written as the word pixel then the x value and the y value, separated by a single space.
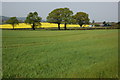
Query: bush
pixel 97 25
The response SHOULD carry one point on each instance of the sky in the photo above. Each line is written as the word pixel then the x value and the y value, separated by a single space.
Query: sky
pixel 119 11
pixel 98 11
pixel 60 0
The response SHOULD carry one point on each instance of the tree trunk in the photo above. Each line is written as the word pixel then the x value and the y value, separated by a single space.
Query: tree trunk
pixel 80 25
pixel 65 26
pixel 58 26
pixel 13 27
pixel 33 26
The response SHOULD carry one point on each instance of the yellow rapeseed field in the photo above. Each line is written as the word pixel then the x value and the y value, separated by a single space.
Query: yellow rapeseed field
pixel 44 25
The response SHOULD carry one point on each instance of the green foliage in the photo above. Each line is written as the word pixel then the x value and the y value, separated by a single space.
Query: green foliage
pixel 33 19
pixel 60 15
pixel 67 16
pixel 55 16
pixel 13 21
pixel 73 20
pixel 60 54
pixel 93 21
pixel 97 25
pixel 104 22
pixel 118 24
pixel 81 18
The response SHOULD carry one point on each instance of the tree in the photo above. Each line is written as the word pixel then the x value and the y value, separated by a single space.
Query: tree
pixel 55 16
pixel 13 21
pixel 93 21
pixel 104 23
pixel 81 18
pixel 73 20
pixel 66 16
pixel 60 15
pixel 33 19
pixel 118 24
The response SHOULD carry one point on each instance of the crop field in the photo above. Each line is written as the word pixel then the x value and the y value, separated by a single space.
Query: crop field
pixel 43 25
pixel 60 54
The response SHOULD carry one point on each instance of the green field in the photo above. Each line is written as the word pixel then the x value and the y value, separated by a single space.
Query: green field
pixel 60 54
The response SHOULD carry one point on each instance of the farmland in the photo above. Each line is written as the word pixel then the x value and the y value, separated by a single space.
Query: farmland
pixel 60 54
pixel 43 25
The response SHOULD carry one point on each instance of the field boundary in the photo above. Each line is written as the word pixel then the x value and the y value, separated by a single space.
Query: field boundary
pixel 54 28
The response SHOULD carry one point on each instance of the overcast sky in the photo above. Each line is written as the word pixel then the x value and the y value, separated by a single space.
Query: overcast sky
pixel 98 11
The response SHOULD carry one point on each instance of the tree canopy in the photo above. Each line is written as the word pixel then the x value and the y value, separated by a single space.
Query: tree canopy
pixel 13 21
pixel 55 16
pixel 60 15
pixel 66 16
pixel 93 21
pixel 33 19
pixel 81 18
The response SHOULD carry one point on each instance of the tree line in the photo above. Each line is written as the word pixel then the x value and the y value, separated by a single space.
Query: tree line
pixel 59 16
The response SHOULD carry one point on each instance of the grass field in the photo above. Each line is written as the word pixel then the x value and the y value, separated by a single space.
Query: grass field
pixel 60 54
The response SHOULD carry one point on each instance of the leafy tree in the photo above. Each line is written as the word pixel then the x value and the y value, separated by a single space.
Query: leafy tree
pixel 55 16
pixel 73 20
pixel 60 15
pixel 66 16
pixel 13 21
pixel 93 21
pixel 104 22
pixel 81 18
pixel 118 24
pixel 33 19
